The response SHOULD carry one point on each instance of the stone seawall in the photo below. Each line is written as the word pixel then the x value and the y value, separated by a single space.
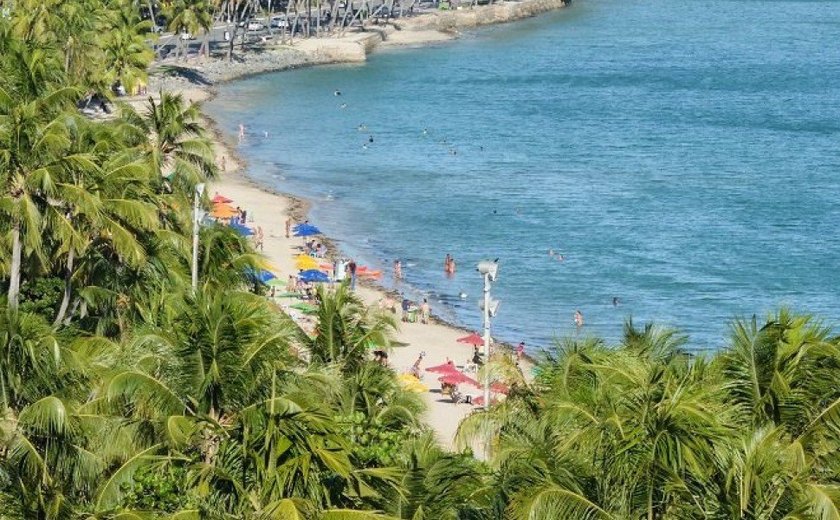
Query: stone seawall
pixel 501 12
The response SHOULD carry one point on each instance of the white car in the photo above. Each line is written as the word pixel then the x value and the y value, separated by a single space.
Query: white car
pixel 186 36
pixel 279 22
pixel 255 26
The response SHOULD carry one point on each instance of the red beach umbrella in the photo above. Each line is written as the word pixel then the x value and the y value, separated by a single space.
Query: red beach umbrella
pixel 479 401
pixel 220 199
pixel 472 339
pixel 499 388
pixel 446 368
pixel 456 378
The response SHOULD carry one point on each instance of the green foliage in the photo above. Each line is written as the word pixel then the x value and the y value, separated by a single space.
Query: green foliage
pixel 156 489
pixel 42 296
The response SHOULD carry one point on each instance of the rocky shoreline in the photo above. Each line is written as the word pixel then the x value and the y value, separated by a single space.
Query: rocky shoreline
pixel 352 47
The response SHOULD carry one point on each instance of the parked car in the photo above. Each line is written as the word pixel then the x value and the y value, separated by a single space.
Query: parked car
pixel 279 21
pixel 255 26
pixel 187 36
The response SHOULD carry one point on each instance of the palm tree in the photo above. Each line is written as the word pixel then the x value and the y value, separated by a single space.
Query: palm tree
pixel 33 146
pixel 125 46
pixel 347 329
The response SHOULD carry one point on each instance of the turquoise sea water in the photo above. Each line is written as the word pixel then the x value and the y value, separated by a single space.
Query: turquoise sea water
pixel 684 156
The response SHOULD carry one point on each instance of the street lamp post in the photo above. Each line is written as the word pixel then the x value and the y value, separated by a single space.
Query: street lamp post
pixel 488 270
pixel 199 191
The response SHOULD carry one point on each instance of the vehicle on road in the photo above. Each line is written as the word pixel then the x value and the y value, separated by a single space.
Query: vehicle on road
pixel 279 21
pixel 187 36
pixel 255 26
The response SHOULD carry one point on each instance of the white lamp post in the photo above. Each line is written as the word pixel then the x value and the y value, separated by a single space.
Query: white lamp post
pixel 489 270
pixel 199 191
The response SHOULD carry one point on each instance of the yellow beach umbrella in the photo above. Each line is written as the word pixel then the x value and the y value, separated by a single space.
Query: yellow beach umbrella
pixel 412 384
pixel 223 211
pixel 305 262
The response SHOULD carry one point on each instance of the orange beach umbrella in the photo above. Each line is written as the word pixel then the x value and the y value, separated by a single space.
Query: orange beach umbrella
pixel 223 211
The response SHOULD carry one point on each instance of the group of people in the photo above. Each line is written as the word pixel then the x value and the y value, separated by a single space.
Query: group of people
pixel 449 265
pixel 408 309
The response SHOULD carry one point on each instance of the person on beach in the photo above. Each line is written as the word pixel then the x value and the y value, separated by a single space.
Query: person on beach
pixel 241 132
pixel 352 268
pixel 520 352
pixel 446 263
pixel 397 269
pixel 476 359
pixel 288 227
pixel 291 284
pixel 339 271
pixel 244 217
pixel 415 368
pixel 578 319
pixel 224 164
pixel 258 238
pixel 424 312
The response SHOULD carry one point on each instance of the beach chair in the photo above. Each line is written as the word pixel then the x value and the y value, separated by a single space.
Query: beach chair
pixel 458 397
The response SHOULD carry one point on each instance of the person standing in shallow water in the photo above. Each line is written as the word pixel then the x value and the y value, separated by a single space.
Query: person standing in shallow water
pixel 446 263
pixel 578 319
pixel 397 270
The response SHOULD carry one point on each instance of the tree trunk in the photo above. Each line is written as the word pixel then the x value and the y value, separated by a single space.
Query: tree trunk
pixel 65 301
pixel 14 275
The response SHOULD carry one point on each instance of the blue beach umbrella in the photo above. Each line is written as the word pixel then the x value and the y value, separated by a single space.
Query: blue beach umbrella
pixel 242 230
pixel 305 230
pixel 313 275
pixel 262 275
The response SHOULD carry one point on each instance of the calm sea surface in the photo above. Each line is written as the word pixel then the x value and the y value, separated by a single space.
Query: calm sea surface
pixel 683 156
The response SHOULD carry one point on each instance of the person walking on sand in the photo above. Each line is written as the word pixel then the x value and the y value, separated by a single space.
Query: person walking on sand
pixel 397 269
pixel 288 227
pixel 352 268
pixel 424 312
pixel 578 319
pixel 520 352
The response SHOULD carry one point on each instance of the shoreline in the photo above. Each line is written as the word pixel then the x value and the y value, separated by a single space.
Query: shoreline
pixel 269 207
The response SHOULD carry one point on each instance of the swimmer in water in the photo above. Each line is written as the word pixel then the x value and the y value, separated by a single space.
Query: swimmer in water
pixel 615 301
pixel 362 127
pixel 364 146
pixel 370 139
pixel 425 132
pixel 337 93
pixel 343 106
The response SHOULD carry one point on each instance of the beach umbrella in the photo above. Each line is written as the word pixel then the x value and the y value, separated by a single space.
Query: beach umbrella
pixel 499 388
pixel 479 401
pixel 242 230
pixel 262 275
pixel 220 199
pixel 305 262
pixel 456 378
pixel 472 339
pixel 445 368
pixel 265 276
pixel 223 211
pixel 306 230
pixel 313 275
pixel 412 384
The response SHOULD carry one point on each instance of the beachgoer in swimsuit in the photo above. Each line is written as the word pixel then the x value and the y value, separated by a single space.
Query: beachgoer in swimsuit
pixel 397 270
pixel 424 311
pixel 288 227
pixel 578 319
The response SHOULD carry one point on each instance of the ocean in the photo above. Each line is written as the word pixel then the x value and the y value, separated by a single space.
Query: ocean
pixel 682 157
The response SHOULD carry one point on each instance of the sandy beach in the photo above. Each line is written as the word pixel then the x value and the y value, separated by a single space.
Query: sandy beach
pixel 270 210
pixel 438 341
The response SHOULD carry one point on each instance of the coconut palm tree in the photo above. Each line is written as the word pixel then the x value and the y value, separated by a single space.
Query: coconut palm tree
pixel 33 147
pixel 347 329
pixel 126 47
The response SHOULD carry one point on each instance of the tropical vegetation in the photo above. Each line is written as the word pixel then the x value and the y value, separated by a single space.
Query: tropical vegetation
pixel 127 393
